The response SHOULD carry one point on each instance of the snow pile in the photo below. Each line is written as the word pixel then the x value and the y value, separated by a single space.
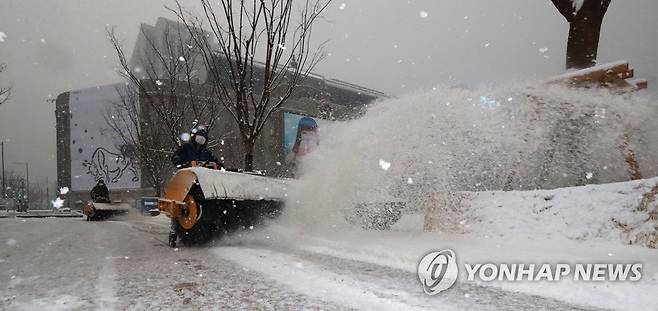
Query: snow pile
pixel 595 212
pixel 515 138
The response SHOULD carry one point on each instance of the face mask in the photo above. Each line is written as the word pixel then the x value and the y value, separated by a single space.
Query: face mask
pixel 200 140
pixel 308 142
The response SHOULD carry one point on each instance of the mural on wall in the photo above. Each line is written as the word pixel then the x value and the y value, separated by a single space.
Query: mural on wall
pixel 301 135
pixel 110 166
pixel 95 151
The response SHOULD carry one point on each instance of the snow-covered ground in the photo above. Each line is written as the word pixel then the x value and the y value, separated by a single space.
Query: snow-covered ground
pixel 568 225
pixel 125 263
pixel 66 264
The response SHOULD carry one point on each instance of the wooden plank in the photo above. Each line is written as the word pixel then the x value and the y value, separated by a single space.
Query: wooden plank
pixel 639 84
pixel 627 74
pixel 613 75
pixel 596 73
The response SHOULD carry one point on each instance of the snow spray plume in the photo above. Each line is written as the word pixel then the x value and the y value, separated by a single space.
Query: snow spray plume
pixel 524 137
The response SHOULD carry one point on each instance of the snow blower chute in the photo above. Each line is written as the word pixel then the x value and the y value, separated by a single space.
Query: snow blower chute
pixel 204 202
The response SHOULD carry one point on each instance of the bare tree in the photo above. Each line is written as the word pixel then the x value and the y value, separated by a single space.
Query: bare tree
pixel 4 91
pixel 246 32
pixel 168 80
pixel 585 18
pixel 146 144
pixel 162 97
pixel 16 189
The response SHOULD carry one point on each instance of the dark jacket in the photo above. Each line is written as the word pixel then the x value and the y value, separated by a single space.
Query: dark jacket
pixel 100 194
pixel 192 151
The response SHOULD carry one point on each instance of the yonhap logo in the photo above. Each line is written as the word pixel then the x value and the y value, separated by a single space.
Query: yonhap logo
pixel 438 271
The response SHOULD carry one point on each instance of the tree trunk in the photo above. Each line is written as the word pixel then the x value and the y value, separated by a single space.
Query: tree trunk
pixel 583 45
pixel 584 30
pixel 249 156
pixel 158 188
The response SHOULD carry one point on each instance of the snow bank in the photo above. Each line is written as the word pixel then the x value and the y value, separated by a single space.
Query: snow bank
pixel 591 212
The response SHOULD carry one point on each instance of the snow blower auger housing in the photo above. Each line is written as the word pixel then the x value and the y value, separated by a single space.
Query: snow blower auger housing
pixel 101 211
pixel 203 202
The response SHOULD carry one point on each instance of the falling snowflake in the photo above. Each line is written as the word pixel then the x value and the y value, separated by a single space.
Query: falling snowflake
pixel 589 175
pixel 410 181
pixel 424 14
pixel 281 46
pixel 182 59
pixel 158 83
pixel 3 36
pixel 384 165
pixel 58 203
pixel 342 6
pixel 543 50
pixel 63 190
pixel 185 137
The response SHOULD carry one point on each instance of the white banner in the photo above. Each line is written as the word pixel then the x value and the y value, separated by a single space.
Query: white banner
pixel 95 149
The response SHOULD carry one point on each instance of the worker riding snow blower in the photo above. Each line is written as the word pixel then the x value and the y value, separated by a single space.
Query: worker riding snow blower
pixel 204 200
pixel 101 207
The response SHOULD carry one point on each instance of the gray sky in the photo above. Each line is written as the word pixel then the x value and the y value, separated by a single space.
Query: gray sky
pixel 395 46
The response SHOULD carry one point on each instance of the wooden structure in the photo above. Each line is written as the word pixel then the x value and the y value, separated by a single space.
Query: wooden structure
pixel 617 75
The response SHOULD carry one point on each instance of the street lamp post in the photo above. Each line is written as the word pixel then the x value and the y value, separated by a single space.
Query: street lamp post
pixel 2 147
